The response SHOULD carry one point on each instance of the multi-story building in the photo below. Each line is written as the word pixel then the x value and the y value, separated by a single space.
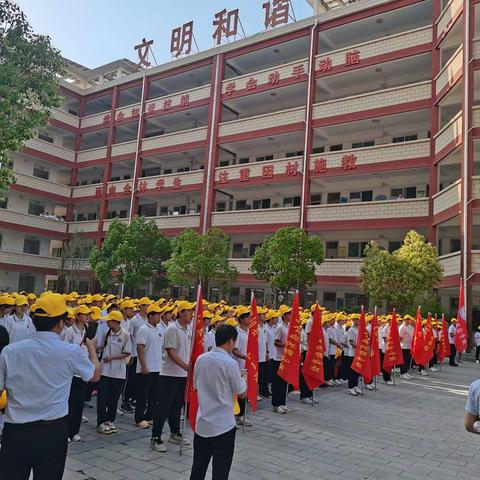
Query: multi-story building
pixel 359 123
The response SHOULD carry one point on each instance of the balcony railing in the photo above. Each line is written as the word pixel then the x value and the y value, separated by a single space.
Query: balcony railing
pixel 449 133
pixel 33 221
pixel 176 138
pixel 175 100
pixel 191 220
pixel 51 149
pixel 451 264
pixel 65 117
pixel 28 260
pixel 83 227
pixel 447 198
pixel 42 185
pixel 450 71
pixel 92 154
pixel 476 48
pixel 476 261
pixel 265 216
pixel 445 19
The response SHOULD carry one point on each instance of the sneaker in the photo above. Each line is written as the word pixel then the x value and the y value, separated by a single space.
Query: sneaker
pixel 434 369
pixel 76 438
pixel 344 381
pixel 259 398
pixel 477 361
pixel 287 410
pixel 352 391
pixel 87 405
pixel 104 429
pixel 405 376
pixel 177 439
pixel 388 382
pixel 279 409
pixel 358 390
pixel 113 427
pixel 295 392
pixel 337 382
pixel 120 412
pixel 307 401
pixel 369 386
pixel 142 424
pixel 409 377
pixel 157 445
pixel 397 370
pixel 424 373
pixel 330 383
pixel 243 421
pixel 84 419
pixel 126 408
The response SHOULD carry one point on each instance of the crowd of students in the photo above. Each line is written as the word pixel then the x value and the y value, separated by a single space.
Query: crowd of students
pixel 143 347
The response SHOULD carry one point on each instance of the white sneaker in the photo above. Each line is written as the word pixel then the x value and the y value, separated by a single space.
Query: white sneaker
pixel 243 421
pixel 434 369
pixel 397 370
pixel 405 376
pixel 409 376
pixel 352 391
pixel 337 382
pixel 104 429
pixel 113 427
pixel 388 382
pixel 84 419
pixel 477 361
pixel 177 439
pixel 279 410
pixel 76 438
pixel 424 373
pixel 344 381
pixel 287 410
pixel 369 387
pixel 330 383
pixel 120 412
pixel 259 398
pixel 307 401
pixel 157 445
pixel 295 392
pixel 358 390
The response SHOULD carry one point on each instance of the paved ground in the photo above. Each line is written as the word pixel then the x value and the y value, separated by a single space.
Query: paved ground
pixel 411 431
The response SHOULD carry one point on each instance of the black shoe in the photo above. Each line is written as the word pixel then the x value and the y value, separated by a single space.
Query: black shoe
pixel 126 408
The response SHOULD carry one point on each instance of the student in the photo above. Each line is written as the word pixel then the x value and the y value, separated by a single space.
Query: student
pixel 173 376
pixel 116 347
pixel 76 334
pixel 452 330
pixel 35 435
pixel 166 317
pixel 271 319
pixel 352 337
pixel 306 395
pixel 127 308
pixel 405 332
pixel 262 353
pixel 217 321
pixel 217 379
pixel 149 341
pixel 6 307
pixel 384 332
pixel 19 325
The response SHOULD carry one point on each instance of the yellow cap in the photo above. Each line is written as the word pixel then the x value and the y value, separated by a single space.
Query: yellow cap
pixel 95 313
pixel 453 320
pixel 232 322
pixel 114 315
pixel 154 308
pixel 71 312
pixel 51 305
pixel 75 294
pixel 97 298
pixel 262 310
pixel 69 298
pixel 31 296
pixel 145 301
pixel 207 314
pixel 21 300
pixel 7 300
pixel 284 309
pixel 127 304
pixel 82 309
pixel 271 314
pixel 184 305
pixel 219 318
pixel 241 310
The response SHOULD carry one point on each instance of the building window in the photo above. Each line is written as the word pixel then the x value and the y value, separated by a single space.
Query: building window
pixel 163 211
pixel 242 205
pixel 265 158
pixel 454 304
pixel 91 216
pixel 3 202
pixel 224 163
pixel 405 138
pixel 149 210
pixel 316 199
pixel 331 249
pixel 394 245
pixel 329 300
pixel 264 203
pixel 455 245
pixel 221 207
pixel 253 248
pixel 35 208
pixel 26 282
pixel 407 192
pixel 294 154
pixel 366 196
pixel 291 202
pixel 45 137
pixel 180 210
pixel 336 148
pixel 242 161
pixel 318 150
pixel 355 301
pixel 41 173
pixel 356 249
pixel 237 250
pixel 151 172
pixel 32 246
pixel 333 198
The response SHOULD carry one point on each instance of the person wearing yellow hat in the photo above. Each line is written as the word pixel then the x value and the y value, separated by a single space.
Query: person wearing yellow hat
pixel 262 353
pixel 167 317
pixel 352 338
pixel 127 307
pixel 37 373
pixel 149 341
pixel 115 348
pixel 279 385
pixel 31 299
pixel 452 330
pixel 4 341
pixel 6 306
pixel 405 331
pixel 173 376
pixel 19 325
pixel 217 321
pixel 271 319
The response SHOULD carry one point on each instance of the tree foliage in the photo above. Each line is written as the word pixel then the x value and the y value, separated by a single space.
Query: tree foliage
pixel 133 254
pixel 288 259
pixel 400 277
pixel 201 259
pixel 29 68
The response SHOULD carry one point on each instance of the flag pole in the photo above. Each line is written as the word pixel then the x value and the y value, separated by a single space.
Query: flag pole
pixel 187 385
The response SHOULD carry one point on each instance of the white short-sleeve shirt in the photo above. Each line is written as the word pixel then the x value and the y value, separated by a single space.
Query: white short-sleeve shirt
pixel 262 342
pixel 18 328
pixel 281 335
pixel 151 337
pixel 451 333
pixel 406 335
pixel 271 332
pixel 117 343
pixel 181 340
pixel 473 401
pixel 241 344
pixel 135 323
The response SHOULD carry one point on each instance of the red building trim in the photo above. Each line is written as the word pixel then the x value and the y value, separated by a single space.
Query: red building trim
pixel 63 125
pixel 47 157
pixel 40 193
pixel 441 36
pixel 177 108
pixel 449 282
pixel 277 178
pixel 43 232
pixel 264 132
pixel 179 147
pixel 28 268
pixel 264 228
pixel 194 187
pixel 452 82
pixel 447 214
pixel 448 148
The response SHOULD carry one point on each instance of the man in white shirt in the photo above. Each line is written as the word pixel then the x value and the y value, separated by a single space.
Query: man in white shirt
pixel 127 308
pixel 262 353
pixel 217 380
pixel 384 332
pixel 272 318
pixel 405 332
pixel 477 345
pixel 452 330
pixel 173 375
pixel 352 338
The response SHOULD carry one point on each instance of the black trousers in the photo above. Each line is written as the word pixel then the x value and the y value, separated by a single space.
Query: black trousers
pixel 221 448
pixel 89 390
pixel 75 406
pixel 171 394
pixel 305 391
pixel 109 390
pixel 39 446
pixel 407 358
pixel 477 352
pixel 147 396
pixel 453 353
pixel 353 376
pixel 344 367
pixel 130 389
pixel 387 376
pixel 329 363
pixel 279 386
pixel 242 403
pixel 263 379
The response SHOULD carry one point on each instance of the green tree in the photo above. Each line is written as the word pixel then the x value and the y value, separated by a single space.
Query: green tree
pixel 399 278
pixel 288 259
pixel 201 259
pixel 132 254
pixel 29 70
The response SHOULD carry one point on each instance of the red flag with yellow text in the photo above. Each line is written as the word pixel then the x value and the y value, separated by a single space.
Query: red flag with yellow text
pixel 461 334
pixel 418 341
pixel 429 346
pixel 289 368
pixel 197 349
pixel 362 361
pixel 444 345
pixel 251 363
pixel 312 369
pixel 393 351
pixel 374 347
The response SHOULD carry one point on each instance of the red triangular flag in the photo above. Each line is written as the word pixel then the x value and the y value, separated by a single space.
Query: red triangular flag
pixel 197 349
pixel 374 347
pixel 393 351
pixel 312 369
pixel 429 345
pixel 461 334
pixel 444 345
pixel 361 361
pixel 251 362
pixel 289 368
pixel 418 342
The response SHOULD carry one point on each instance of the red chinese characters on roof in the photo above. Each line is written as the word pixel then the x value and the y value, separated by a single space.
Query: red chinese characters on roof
pixel 181 39
pixel 226 24
pixel 276 12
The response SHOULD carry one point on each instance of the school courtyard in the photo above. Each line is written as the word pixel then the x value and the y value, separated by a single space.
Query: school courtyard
pixel 410 431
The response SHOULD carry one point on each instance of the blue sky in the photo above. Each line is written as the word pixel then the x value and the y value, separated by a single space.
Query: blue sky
pixel 95 32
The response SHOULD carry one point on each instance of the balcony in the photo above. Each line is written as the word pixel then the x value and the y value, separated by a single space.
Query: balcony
pixel 476 261
pixel 448 16
pixel 171 181
pixel 98 153
pixel 450 72
pixel 285 75
pixel 32 221
pixel 176 138
pixel 95 120
pixel 390 209
pixel 65 117
pixel 267 216
pixel 86 190
pixel 120 188
pixel 476 117
pixel 124 148
pixel 447 198
pixel 43 185
pixel 24 259
pixel 476 187
pixel 83 227
pixel 451 264
pixel 50 149
pixel 180 222
pixel 450 134
pixel 476 48
pixel 262 122
pixel 393 152
pixel 382 46
pixel 131 112
pixel 195 95
pixel 108 222
pixel 373 101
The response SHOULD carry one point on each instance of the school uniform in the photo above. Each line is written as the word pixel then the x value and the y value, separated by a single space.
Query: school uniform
pixel 18 328
pixel 477 345
pixel 352 337
pixel 452 329
pixel 113 374
pixel 129 388
pixel 217 379
pixel 327 371
pixel 172 380
pixel 406 336
pixel 262 361
pixel 384 333
pixel 241 345
pixel 279 385
pixel 271 331
pixel 305 391
pixel 151 338
pixel 209 340
pixel 332 350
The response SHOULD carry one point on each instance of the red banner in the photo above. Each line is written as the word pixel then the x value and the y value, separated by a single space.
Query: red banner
pixel 393 351
pixel 251 363
pixel 289 368
pixel 444 345
pixel 361 361
pixel 418 342
pixel 461 334
pixel 312 369
pixel 429 346
pixel 374 347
